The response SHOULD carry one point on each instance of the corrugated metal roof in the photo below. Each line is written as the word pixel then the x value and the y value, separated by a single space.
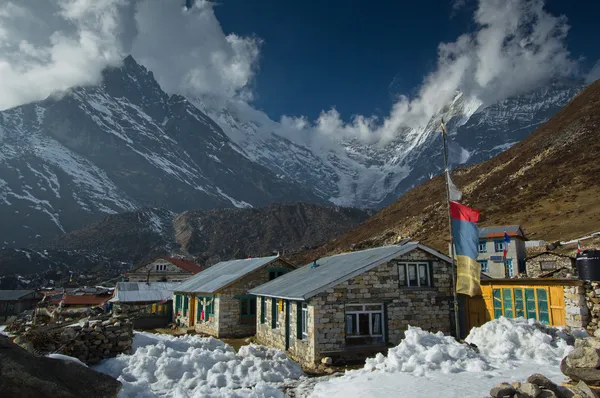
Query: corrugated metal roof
pixel 484 231
pixel 306 282
pixel 8 295
pixel 131 292
pixel 222 274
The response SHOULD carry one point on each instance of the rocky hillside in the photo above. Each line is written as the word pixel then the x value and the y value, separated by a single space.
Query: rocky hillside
pixel 119 241
pixel 548 183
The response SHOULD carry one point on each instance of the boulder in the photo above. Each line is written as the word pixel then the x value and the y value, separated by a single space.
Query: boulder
pixel 547 394
pixel 584 390
pixel 24 375
pixel 588 375
pixel 327 361
pixel 542 381
pixel 529 390
pixel 502 390
pixel 583 357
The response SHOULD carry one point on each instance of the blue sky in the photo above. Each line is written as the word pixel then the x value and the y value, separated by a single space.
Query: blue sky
pixel 357 55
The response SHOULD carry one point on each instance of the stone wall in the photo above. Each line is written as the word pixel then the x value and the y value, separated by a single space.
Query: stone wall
pixel 302 350
pixel 592 298
pixel 228 322
pixel 534 260
pixel 576 310
pixel 426 307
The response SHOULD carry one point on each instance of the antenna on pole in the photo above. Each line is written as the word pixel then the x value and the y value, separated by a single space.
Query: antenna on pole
pixel 456 321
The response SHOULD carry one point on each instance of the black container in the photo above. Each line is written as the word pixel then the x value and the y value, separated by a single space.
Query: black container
pixel 588 265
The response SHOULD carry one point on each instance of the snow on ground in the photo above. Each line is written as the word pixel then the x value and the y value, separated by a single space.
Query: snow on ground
pixel 427 364
pixel 2 332
pixel 66 358
pixel 191 366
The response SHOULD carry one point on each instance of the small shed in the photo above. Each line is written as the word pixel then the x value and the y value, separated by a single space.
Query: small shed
pixel 216 301
pixel 13 302
pixel 150 304
pixel 352 305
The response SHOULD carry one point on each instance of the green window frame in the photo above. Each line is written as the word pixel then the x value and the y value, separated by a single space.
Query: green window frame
pixel 526 302
pixel 177 302
pixel 301 320
pixel 263 309
pixel 274 313
pixel 186 304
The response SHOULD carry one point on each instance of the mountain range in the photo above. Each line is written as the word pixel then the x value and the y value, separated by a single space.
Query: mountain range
pixel 126 146
pixel 547 183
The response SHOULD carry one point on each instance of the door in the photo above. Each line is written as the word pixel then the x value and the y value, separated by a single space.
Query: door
pixel 288 323
pixel 192 313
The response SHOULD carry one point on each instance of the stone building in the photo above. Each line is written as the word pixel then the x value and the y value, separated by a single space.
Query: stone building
pixel 352 305
pixel 164 269
pixel 13 302
pixel 216 301
pixel 546 262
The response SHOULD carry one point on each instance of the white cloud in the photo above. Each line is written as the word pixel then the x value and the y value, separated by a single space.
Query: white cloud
pixel 594 74
pixel 51 46
pixel 517 46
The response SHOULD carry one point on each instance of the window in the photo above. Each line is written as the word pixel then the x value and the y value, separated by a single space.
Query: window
pixel 248 309
pixel 484 265
pixel 482 248
pixel 499 245
pixel 276 273
pixel 206 308
pixel 510 271
pixel 177 303
pixel 530 303
pixel 161 267
pixel 301 320
pixel 263 309
pixel 273 313
pixel 415 274
pixel 364 324
pixel 186 302
pixel 547 265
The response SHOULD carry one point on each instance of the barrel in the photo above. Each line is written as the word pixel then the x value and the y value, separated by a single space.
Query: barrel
pixel 588 265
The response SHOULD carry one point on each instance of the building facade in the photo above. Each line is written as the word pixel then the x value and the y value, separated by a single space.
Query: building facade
pixel 216 301
pixel 546 262
pixel 13 302
pixel 164 269
pixel 352 305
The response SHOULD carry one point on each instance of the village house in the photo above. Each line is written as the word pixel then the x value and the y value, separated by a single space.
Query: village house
pixel 164 269
pixel 491 251
pixel 216 301
pixel 149 304
pixel 13 302
pixel 351 305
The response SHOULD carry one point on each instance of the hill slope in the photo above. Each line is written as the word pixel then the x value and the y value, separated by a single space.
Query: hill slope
pixel 549 183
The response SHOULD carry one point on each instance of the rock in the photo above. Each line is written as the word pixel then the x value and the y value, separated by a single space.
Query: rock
pixel 529 390
pixel 25 375
pixel 327 361
pixel 547 394
pixel 502 390
pixel 589 375
pixel 583 357
pixel 585 391
pixel 542 381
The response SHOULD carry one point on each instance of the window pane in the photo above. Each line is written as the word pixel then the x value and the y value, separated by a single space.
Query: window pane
pixel 402 274
pixel 543 306
pixel 519 303
pixel 363 324
pixel 508 311
pixel 412 275
pixel 373 307
pixel 530 304
pixel 350 308
pixel 253 306
pixel 423 280
pixel 376 323
pixel 305 320
pixel 351 324
pixel 497 297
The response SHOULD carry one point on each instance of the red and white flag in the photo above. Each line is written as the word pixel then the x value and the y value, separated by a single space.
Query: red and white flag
pixel 578 247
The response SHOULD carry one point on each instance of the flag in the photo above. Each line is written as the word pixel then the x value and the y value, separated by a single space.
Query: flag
pixel 506 243
pixel 466 238
pixel 455 194
pixel 578 247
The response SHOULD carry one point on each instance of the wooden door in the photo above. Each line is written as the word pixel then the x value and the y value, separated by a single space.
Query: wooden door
pixel 476 312
pixel 557 306
pixel 192 311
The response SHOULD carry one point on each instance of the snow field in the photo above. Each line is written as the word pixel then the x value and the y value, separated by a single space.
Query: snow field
pixel 190 366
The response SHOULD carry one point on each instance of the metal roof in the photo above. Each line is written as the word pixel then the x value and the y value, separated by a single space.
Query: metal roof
pixel 484 231
pixel 306 282
pixel 222 274
pixel 10 295
pixel 132 292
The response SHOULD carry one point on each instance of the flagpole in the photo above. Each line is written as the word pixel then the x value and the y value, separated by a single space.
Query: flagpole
pixel 456 321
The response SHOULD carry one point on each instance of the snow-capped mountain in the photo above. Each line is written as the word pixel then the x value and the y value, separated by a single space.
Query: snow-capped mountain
pixel 116 147
pixel 352 173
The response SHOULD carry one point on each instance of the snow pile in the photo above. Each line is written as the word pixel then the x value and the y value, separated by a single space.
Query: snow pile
pixel 422 352
pixel 190 366
pixel 519 340
pixel 66 358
